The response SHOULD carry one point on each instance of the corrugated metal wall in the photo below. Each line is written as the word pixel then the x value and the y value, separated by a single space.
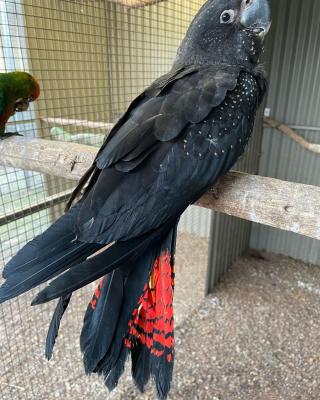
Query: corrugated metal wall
pixel 294 98
pixel 196 220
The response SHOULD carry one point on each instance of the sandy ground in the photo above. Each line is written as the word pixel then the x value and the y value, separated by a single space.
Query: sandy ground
pixel 257 337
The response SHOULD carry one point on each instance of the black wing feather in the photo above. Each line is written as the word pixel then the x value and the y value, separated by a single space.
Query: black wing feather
pixel 99 324
pixel 100 265
pixel 182 100
pixel 55 324
pixel 175 90
pixel 154 191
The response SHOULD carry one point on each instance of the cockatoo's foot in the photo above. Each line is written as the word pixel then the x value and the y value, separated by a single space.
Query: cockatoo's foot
pixel 9 134
pixel 214 190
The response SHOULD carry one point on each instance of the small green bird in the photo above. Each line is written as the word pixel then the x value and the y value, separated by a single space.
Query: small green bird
pixel 17 90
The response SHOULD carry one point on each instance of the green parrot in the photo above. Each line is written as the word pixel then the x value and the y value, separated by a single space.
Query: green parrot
pixel 17 90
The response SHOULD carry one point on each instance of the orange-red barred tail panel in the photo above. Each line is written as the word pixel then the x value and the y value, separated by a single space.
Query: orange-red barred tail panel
pixel 97 293
pixel 138 320
pixel 151 328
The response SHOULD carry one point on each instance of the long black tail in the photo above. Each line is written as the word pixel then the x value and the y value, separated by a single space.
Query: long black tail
pixel 116 256
pixel 131 312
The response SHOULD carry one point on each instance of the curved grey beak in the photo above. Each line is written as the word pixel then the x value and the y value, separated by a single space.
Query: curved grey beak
pixel 255 16
pixel 21 105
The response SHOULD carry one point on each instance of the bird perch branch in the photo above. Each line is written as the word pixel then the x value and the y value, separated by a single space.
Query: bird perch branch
pixel 78 123
pixel 129 3
pixel 56 158
pixel 315 148
pixel 285 205
pixel 136 3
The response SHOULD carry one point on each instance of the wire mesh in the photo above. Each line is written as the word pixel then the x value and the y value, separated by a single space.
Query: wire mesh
pixel 91 59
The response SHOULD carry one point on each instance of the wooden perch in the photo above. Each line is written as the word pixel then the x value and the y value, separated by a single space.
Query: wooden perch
pixel 289 206
pixel 47 156
pixel 286 205
pixel 315 148
pixel 78 123
pixel 136 3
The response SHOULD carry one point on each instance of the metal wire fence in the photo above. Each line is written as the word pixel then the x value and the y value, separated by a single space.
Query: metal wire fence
pixel 91 58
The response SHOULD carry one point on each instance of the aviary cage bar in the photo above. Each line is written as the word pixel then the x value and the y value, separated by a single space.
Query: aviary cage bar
pixel 91 58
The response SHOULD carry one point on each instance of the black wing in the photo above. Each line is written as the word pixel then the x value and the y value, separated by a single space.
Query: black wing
pixel 145 173
pixel 185 96
pixel 158 114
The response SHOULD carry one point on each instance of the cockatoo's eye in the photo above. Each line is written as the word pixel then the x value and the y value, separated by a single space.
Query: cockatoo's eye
pixel 227 17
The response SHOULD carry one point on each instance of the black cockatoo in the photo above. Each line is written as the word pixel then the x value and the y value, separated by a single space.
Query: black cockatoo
pixel 175 140
pixel 17 90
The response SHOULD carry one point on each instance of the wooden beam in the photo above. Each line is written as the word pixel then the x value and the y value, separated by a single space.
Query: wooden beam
pixel 283 128
pixel 78 123
pixel 136 3
pixel 285 205
pixel 62 159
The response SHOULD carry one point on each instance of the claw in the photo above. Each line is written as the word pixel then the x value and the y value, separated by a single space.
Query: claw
pixel 214 190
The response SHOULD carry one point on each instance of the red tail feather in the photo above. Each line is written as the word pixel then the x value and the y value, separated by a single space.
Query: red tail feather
pixel 152 321
pixel 96 294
